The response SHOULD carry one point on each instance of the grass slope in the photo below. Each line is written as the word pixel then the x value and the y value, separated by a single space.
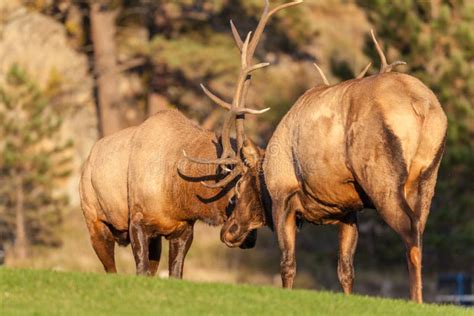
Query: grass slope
pixel 55 293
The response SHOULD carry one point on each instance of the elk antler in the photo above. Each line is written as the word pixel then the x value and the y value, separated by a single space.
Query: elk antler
pixel 236 109
pixel 385 66
pixel 266 15
pixel 321 72
pixel 364 72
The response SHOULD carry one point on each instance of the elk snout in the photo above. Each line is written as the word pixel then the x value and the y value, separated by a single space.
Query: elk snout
pixel 235 235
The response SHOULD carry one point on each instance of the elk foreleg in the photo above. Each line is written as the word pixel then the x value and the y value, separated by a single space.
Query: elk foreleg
pixel 285 226
pixel 348 235
pixel 179 247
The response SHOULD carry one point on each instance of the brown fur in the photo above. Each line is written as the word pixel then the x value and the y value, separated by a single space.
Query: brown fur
pixel 131 190
pixel 376 141
pixel 140 180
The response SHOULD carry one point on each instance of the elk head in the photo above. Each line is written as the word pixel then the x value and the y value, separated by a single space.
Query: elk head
pixel 241 227
pixel 243 162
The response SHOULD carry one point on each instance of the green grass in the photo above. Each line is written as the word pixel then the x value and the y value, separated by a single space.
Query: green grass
pixel 38 292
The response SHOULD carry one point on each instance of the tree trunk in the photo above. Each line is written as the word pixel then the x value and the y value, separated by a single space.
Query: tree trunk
pixel 21 242
pixel 103 30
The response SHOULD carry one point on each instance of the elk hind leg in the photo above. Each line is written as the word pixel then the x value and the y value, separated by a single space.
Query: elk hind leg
pixel 389 200
pixel 103 243
pixel 419 194
pixel 348 235
pixel 383 173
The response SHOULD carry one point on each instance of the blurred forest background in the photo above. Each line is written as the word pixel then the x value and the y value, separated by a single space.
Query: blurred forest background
pixel 72 71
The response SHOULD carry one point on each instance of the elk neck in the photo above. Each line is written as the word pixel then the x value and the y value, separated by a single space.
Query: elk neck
pixel 265 197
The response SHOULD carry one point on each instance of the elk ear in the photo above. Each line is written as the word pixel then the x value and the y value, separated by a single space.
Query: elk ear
pixel 251 153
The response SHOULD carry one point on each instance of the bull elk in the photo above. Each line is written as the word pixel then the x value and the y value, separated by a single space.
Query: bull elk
pixel 373 142
pixel 137 187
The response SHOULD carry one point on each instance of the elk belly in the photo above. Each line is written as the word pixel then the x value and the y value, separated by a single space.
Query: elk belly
pixel 329 208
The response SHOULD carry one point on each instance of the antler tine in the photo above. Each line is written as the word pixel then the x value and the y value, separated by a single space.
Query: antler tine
pixel 228 155
pixel 237 109
pixel 224 182
pixel 249 56
pixel 284 6
pixel 227 151
pixel 236 102
pixel 266 15
pixel 251 111
pixel 251 69
pixel 245 47
pixel 241 91
pixel 267 6
pixel 236 35
pixel 364 72
pixel 260 28
pixel 216 99
pixel 383 59
pixel 395 64
pixel 385 66
pixel 321 72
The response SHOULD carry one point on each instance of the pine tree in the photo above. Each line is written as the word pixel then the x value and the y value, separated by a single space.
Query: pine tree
pixel 33 160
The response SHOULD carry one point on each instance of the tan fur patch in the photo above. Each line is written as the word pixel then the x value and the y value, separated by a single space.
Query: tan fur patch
pixel 137 217
pixel 420 107
pixel 415 256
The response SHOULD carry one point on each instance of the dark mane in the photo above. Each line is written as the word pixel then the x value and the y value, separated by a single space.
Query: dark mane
pixel 265 198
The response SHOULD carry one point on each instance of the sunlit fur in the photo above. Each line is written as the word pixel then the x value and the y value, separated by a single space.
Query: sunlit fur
pixel 137 187
pixel 375 142
pixel 249 213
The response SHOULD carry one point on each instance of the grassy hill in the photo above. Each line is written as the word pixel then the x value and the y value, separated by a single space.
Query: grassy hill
pixel 38 292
